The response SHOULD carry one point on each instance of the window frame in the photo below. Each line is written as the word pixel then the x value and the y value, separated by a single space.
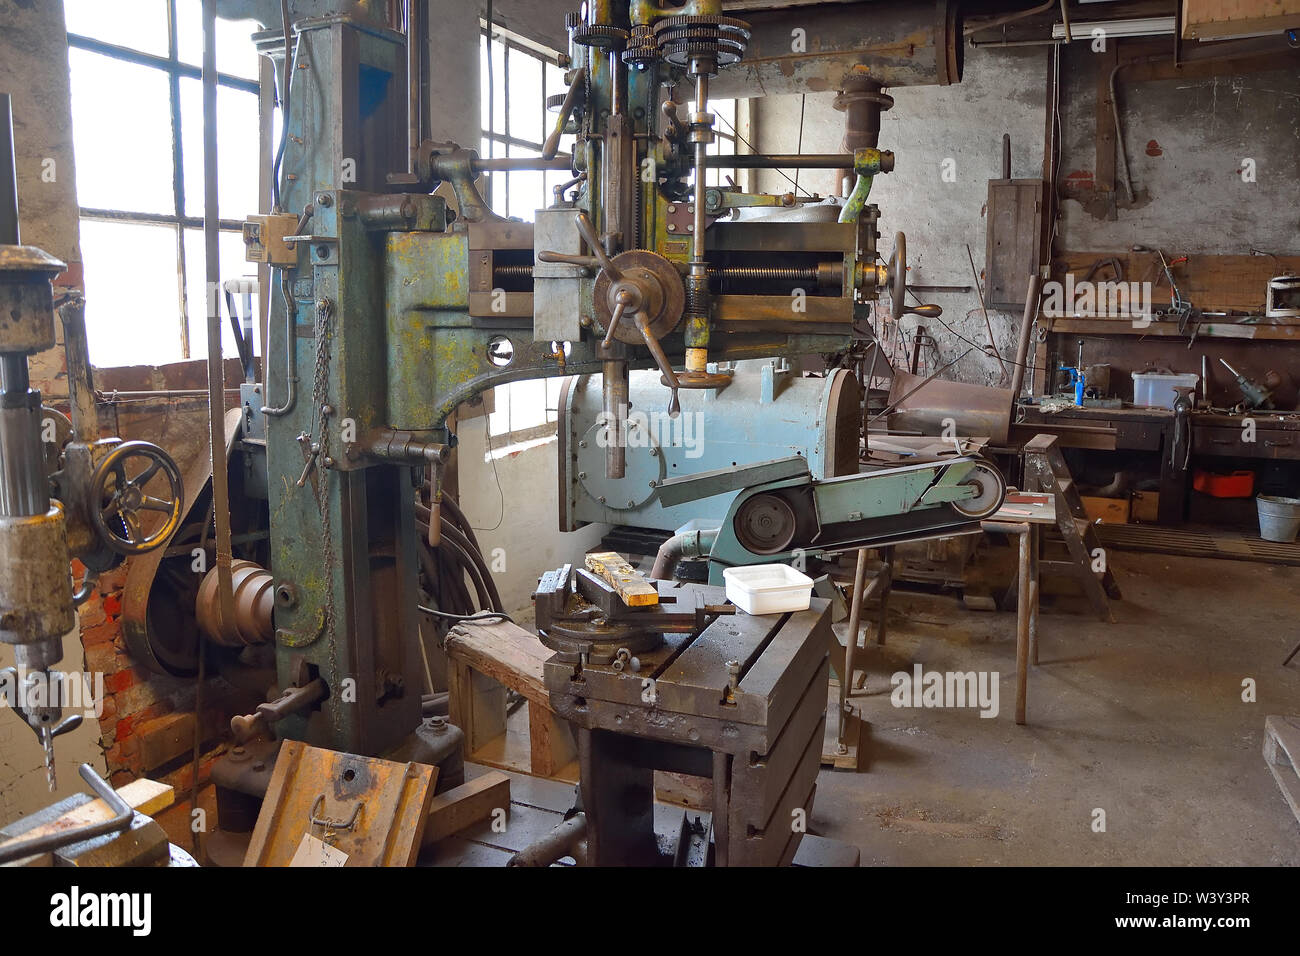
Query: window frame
pixel 176 69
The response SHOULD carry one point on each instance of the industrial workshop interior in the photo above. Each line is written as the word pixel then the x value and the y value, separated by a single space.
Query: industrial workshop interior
pixel 652 433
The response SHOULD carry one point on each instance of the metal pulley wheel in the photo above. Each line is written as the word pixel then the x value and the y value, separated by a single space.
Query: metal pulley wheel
pixel 127 518
pixel 992 489
pixel 765 524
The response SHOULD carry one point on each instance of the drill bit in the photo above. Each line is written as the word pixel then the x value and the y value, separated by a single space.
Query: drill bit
pixel 47 743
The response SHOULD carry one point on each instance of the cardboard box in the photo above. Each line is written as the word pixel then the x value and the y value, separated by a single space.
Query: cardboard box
pixel 1106 510
pixel 1146 506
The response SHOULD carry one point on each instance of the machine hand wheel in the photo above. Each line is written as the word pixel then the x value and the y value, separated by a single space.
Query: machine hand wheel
pixel 897 278
pixel 119 503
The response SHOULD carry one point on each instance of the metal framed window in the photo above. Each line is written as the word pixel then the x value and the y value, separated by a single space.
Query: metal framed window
pixel 135 71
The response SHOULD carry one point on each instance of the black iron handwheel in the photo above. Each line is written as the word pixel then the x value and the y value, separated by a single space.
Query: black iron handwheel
pixel 120 507
pixel 765 524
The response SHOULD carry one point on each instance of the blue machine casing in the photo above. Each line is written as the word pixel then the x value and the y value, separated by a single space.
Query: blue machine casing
pixel 767 412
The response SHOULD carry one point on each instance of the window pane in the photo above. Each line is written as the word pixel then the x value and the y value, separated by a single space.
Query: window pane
pixel 499 418
pixel 527 189
pixel 236 147
pixel 235 51
pixel 527 404
pixel 230 252
pixel 132 316
pixel 137 24
pixel 525 98
pixel 121 134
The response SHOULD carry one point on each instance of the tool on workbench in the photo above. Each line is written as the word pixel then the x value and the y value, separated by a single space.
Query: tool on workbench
pixel 1078 376
pixel 1188 316
pixel 1254 395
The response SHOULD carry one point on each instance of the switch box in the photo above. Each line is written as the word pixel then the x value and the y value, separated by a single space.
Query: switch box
pixel 264 239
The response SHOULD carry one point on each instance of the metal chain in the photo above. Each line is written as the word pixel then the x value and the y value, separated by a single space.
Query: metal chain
pixel 323 327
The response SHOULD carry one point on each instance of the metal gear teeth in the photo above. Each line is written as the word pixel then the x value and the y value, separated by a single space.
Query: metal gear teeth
pixel 600 35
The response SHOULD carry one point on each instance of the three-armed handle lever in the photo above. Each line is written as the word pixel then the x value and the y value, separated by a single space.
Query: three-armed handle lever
pixel 629 297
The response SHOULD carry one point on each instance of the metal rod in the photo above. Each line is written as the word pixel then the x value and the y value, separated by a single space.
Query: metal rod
pixel 781 161
pixel 413 61
pixel 9 233
pixel 851 645
pixel 1026 328
pixel 511 163
pixel 993 346
pixel 216 367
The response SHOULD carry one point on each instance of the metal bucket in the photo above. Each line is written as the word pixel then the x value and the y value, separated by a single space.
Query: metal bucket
pixel 1279 518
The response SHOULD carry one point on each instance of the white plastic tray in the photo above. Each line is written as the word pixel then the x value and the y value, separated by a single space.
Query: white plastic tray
pixel 768 588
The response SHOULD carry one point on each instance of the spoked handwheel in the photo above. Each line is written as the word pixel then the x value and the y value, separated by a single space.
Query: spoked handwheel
pixel 128 518
pixel 991 489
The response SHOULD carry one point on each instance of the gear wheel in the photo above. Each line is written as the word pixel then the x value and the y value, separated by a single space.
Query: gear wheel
pixel 600 35
pixel 682 38
pixel 642 50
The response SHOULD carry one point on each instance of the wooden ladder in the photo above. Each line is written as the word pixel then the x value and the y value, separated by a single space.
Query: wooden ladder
pixel 1046 471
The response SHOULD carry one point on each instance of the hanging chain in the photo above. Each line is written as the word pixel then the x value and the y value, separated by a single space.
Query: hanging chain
pixel 323 326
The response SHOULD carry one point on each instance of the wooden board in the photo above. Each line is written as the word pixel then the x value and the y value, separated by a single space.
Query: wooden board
pixel 386 802
pixel 1215 19
pixel 1209 282
pixel 505 652
pixel 1014 240
pixel 1282 754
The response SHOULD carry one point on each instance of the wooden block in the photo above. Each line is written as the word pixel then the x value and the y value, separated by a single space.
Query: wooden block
pixel 1106 510
pixel 1146 506
pixel 164 739
pixel 684 790
pixel 551 744
pixel 143 795
pixel 631 585
pixel 463 806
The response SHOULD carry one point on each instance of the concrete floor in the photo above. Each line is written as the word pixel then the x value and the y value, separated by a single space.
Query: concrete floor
pixel 1142 718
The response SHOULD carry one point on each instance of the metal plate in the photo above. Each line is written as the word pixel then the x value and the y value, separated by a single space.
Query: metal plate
pixel 642 474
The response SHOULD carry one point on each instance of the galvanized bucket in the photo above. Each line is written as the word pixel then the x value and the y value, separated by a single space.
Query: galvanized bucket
pixel 1279 518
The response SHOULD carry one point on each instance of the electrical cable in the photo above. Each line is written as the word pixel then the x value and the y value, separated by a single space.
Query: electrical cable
pixel 479 617
pixel 501 495
pixel 290 61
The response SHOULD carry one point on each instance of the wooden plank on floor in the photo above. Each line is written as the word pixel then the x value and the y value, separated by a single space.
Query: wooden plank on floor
pixel 462 806
pixel 1282 754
